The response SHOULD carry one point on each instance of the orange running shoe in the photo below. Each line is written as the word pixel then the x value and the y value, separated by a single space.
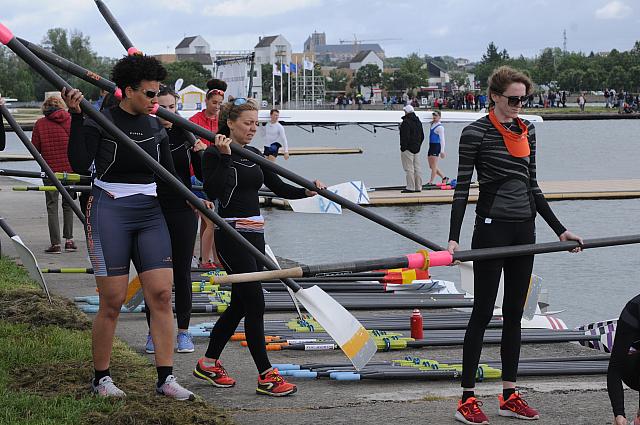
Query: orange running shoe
pixel 273 384
pixel 215 375
pixel 470 413
pixel 516 407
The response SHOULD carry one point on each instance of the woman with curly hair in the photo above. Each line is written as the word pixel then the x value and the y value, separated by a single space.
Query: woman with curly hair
pixel 124 219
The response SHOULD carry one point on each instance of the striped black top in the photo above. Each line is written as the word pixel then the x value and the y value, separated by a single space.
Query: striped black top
pixel 509 190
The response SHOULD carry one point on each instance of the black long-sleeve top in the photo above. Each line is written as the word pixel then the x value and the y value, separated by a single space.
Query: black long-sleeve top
pixel 183 157
pixel 627 336
pixel 3 139
pixel 509 188
pixel 115 162
pixel 235 181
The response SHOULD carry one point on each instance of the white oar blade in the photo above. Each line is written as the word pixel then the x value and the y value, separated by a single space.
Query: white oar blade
pixel 30 263
pixel 134 296
pixel 531 304
pixel 349 334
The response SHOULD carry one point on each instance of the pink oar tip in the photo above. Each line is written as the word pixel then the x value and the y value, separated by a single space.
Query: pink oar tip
pixel 133 51
pixel 118 93
pixel 5 34
pixel 415 261
pixel 440 258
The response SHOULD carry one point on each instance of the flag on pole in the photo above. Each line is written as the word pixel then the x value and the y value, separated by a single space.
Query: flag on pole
pixel 276 71
pixel 308 65
pixel 293 67
pixel 285 68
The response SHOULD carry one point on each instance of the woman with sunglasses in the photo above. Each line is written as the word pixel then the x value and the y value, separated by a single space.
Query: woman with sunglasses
pixel 124 219
pixel 502 149
pixel 208 118
pixel 235 182
pixel 436 148
pixel 182 221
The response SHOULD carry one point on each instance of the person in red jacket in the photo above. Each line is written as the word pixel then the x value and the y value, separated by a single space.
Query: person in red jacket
pixel 208 118
pixel 50 137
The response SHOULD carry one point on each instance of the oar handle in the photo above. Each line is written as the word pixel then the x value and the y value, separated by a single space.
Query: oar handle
pixel 259 276
pixel 5 226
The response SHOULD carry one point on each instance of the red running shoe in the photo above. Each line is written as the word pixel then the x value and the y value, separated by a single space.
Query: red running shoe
pixel 215 375
pixel 273 384
pixel 516 407
pixel 470 413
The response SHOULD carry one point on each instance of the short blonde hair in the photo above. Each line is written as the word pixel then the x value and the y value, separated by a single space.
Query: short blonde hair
pixel 231 111
pixel 53 102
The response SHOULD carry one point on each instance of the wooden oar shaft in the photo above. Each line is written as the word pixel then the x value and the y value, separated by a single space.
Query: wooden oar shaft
pixel 39 66
pixel 36 155
pixel 433 259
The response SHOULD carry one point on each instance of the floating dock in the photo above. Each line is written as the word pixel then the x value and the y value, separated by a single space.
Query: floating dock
pixel 553 190
pixel 323 150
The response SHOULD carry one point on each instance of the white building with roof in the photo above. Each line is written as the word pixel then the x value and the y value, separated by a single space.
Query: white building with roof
pixel 273 49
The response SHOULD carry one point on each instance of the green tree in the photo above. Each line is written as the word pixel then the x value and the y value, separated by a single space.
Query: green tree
pixel 367 76
pixel 191 72
pixel 459 78
pixel 337 80
pixel 491 60
pixel 618 78
pixel 545 69
pixel 413 73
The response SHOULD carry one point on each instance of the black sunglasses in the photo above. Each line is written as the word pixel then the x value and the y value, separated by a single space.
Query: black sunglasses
pixel 515 100
pixel 150 93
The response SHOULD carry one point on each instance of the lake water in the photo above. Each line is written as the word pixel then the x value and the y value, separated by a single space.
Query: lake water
pixel 590 286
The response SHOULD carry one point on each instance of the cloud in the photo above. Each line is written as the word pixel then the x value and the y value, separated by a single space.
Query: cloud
pixel 613 10
pixel 262 8
pixel 440 31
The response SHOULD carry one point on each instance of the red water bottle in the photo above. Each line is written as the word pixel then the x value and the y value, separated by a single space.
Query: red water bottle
pixel 416 325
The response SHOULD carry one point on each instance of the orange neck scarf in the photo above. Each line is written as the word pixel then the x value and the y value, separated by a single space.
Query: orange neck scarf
pixel 517 144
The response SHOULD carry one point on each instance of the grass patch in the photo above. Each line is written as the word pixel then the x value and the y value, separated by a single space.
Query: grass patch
pixel 45 367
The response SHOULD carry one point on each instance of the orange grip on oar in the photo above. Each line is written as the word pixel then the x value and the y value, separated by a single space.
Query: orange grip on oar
pixel 238 337
pixel 274 347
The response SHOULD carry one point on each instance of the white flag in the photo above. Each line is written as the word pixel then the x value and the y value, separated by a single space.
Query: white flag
pixel 308 65
pixel 276 71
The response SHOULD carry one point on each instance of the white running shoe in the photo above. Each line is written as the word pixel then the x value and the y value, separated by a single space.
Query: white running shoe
pixel 194 262
pixel 172 389
pixel 106 388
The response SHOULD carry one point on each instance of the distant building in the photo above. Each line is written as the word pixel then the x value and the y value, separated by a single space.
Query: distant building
pixel 195 49
pixel 191 98
pixel 315 39
pixel 438 77
pixel 366 57
pixel 273 49
pixel 316 45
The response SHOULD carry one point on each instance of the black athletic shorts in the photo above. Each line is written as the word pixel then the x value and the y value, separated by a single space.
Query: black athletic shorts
pixel 272 149
pixel 126 229
pixel 434 149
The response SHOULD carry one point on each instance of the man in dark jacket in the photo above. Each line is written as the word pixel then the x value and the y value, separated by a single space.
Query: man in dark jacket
pixel 411 137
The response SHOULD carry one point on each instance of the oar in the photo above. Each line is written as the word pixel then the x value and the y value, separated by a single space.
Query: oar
pixel 424 259
pixel 34 152
pixel 63 177
pixel 269 252
pixel 339 323
pixel 28 259
pixel 116 28
pixel 69 188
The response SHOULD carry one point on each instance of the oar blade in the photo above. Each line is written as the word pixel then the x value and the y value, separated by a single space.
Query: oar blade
pixel 134 290
pixel 349 334
pixel 533 295
pixel 30 263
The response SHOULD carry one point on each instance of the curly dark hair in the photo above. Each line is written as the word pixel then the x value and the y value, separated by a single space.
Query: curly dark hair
pixel 215 84
pixel 131 70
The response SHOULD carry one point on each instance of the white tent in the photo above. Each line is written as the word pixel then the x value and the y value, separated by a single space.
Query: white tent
pixel 191 98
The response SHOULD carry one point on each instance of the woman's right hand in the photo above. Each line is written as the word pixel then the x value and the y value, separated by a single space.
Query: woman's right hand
pixel 72 99
pixel 452 247
pixel 223 143
pixel 620 420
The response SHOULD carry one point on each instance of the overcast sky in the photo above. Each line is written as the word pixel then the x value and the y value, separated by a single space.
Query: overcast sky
pixel 460 28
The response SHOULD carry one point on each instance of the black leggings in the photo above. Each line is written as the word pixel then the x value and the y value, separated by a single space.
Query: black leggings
pixel 247 300
pixel 517 274
pixel 183 227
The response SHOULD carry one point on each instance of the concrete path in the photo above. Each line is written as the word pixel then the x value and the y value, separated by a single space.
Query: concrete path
pixel 561 400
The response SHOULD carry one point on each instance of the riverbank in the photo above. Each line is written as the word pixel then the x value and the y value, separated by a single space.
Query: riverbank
pixel 562 400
